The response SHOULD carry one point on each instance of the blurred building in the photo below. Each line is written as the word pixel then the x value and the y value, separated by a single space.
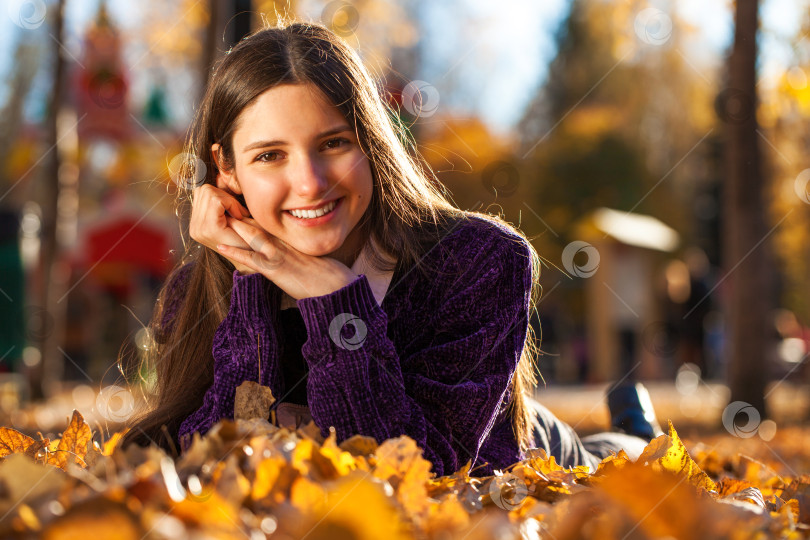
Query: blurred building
pixel 624 319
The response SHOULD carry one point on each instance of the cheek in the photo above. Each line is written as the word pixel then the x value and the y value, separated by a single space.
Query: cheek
pixel 263 198
pixel 359 170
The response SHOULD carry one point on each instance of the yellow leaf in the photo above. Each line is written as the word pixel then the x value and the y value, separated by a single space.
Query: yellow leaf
pixel 96 518
pixel 13 442
pixel 447 515
pixel 73 444
pixel 307 496
pixel 667 452
pixel 400 462
pixel 112 442
pixel 343 462
pixel 267 473
pixel 355 508
pixel 213 512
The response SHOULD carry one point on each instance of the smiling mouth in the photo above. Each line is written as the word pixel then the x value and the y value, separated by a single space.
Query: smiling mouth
pixel 311 214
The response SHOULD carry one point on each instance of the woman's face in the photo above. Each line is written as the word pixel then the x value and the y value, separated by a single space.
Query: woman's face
pixel 294 150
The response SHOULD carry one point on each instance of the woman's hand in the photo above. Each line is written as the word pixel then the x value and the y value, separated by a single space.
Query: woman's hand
pixel 297 274
pixel 209 225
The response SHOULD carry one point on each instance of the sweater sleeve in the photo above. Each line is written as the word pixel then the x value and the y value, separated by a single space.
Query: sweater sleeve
pixel 246 332
pixel 449 395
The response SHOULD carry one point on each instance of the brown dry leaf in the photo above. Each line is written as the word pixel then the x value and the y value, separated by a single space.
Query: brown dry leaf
pixel 13 442
pixel 22 480
pixel 450 483
pixel 759 475
pixel 660 504
pixel 668 453
pixel 612 463
pixel 72 446
pixel 709 462
pixel 35 451
pixel 311 431
pixel 230 482
pixel 749 495
pixel 359 445
pixel 545 479
pixel 252 401
pixel 729 486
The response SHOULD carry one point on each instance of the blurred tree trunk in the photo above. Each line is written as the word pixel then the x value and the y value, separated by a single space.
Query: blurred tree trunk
pixel 228 23
pixel 48 317
pixel 748 309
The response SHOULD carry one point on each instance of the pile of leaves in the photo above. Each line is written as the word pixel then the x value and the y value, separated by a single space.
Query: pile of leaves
pixel 250 479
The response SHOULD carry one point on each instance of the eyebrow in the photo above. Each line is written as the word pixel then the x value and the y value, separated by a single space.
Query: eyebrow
pixel 278 142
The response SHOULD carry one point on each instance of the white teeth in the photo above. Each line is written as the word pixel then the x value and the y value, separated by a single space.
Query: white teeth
pixel 309 214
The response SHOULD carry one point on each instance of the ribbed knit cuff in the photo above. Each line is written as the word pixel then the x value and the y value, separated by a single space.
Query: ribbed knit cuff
pixel 253 299
pixel 342 320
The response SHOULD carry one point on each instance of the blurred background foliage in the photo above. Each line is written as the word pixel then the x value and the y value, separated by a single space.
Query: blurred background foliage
pixel 549 113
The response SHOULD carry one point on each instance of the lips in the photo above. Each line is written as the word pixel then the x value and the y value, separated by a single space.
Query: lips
pixel 316 207
pixel 311 217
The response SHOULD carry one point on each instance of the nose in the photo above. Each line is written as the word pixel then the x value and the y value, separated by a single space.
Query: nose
pixel 309 179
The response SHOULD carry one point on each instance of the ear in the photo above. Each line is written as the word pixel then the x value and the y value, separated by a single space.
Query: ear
pixel 226 180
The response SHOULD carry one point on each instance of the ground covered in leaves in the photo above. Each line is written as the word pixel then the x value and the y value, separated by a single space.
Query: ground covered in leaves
pixel 250 479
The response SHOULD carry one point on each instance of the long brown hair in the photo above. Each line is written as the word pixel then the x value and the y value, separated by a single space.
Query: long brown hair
pixel 407 214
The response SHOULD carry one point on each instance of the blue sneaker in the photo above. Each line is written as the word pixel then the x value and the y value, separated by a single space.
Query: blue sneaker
pixel 631 411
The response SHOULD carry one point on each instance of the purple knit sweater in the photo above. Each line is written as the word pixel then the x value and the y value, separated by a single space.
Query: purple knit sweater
pixel 435 363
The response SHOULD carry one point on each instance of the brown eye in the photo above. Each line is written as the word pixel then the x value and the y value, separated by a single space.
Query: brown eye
pixel 337 142
pixel 267 156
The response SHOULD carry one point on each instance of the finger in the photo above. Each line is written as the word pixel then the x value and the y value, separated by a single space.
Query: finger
pixel 240 256
pixel 258 240
pixel 234 208
pixel 255 237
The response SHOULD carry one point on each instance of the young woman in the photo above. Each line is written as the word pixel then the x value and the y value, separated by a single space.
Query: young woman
pixel 329 266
